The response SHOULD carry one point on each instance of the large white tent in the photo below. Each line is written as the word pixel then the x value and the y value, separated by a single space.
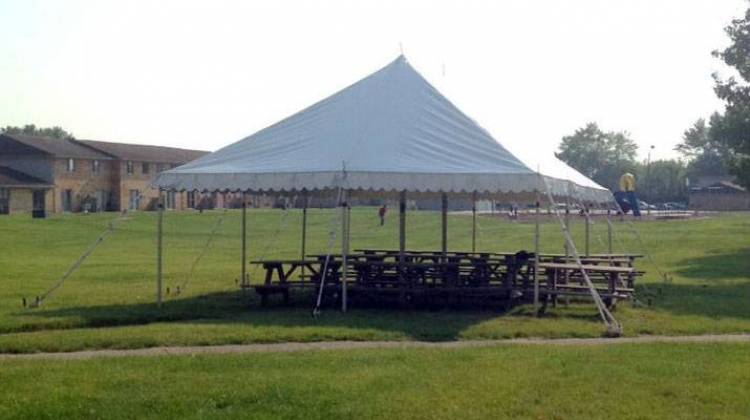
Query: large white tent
pixel 391 131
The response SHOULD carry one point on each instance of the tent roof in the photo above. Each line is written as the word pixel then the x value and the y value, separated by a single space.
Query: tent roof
pixel 391 131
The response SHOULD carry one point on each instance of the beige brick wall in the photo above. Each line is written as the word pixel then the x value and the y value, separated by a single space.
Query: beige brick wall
pixel 21 200
pixel 83 182
pixel 719 201
pixel 141 182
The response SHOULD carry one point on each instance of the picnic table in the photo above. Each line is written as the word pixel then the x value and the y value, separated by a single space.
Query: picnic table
pixel 559 276
pixel 284 276
pixel 502 275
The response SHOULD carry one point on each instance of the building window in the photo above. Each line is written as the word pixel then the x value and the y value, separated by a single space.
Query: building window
pixel 71 165
pixel 191 199
pixel 129 167
pixel 145 168
pixel 67 200
pixel 169 196
pixel 4 201
pixel 134 199
pixel 95 166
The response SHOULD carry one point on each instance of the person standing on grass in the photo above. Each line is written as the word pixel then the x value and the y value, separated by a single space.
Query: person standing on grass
pixel 627 186
pixel 381 213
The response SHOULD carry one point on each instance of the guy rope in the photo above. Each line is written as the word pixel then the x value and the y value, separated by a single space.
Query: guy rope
pixel 613 327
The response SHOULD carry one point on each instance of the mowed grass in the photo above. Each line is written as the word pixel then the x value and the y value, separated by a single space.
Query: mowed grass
pixel 109 301
pixel 639 381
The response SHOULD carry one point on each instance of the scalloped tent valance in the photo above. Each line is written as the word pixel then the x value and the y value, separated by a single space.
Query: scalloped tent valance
pixel 391 131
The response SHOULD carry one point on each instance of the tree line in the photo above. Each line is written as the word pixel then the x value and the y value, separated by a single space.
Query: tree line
pixel 719 146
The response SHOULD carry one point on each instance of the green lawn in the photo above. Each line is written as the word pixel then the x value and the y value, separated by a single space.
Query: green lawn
pixel 109 302
pixel 643 381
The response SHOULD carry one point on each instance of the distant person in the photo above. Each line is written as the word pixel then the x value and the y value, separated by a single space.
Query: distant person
pixel 381 213
pixel 627 186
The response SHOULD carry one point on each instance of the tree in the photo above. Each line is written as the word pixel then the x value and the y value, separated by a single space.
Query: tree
pixel 601 156
pixel 662 181
pixel 705 154
pixel 733 129
pixel 32 130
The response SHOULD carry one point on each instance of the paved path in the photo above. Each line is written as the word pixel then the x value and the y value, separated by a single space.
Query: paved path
pixel 345 345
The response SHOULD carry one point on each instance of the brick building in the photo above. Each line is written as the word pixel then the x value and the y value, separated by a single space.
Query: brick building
pixel 59 175
pixel 717 194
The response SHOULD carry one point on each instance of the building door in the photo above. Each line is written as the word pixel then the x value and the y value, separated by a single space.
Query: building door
pixel 134 202
pixel 38 202
pixel 4 200
pixel 170 200
pixel 67 200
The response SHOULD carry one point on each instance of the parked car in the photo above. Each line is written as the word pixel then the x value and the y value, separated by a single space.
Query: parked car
pixel 645 206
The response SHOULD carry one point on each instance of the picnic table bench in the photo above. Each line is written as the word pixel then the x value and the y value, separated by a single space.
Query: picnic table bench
pixel 449 276
pixel 560 274
pixel 284 276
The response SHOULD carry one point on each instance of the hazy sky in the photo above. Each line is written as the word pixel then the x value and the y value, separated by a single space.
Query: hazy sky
pixel 205 74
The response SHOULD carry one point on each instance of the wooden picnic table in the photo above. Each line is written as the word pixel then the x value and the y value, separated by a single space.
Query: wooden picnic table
pixel 482 275
pixel 284 276
pixel 612 275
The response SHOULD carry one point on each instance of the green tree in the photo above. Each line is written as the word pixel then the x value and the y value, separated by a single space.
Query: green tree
pixel 705 154
pixel 602 156
pixel 733 129
pixel 32 130
pixel 662 181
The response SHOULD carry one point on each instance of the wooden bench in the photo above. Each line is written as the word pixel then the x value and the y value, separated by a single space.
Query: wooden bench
pixel 612 275
pixel 284 276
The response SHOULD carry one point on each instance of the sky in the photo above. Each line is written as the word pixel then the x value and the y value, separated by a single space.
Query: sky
pixel 204 74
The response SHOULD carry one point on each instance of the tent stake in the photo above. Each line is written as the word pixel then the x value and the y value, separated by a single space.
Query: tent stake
pixel 159 243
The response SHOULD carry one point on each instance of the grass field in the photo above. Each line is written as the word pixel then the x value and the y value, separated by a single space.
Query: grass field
pixel 644 381
pixel 109 301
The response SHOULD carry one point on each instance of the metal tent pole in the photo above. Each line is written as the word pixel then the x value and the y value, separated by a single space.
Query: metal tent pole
pixel 444 211
pixel 304 231
pixel 609 234
pixel 402 226
pixel 344 249
pixel 536 256
pixel 159 250
pixel 588 231
pixel 474 222
pixel 243 279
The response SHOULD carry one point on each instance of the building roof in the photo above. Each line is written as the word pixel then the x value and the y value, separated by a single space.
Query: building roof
pixel 726 186
pixel 13 178
pixel 62 148
pixel 144 153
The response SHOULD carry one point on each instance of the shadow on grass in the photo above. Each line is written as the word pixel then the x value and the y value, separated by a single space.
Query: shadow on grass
pixel 718 266
pixel 713 301
pixel 228 308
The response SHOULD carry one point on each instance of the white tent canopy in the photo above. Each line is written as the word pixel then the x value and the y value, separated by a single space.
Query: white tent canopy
pixel 391 131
